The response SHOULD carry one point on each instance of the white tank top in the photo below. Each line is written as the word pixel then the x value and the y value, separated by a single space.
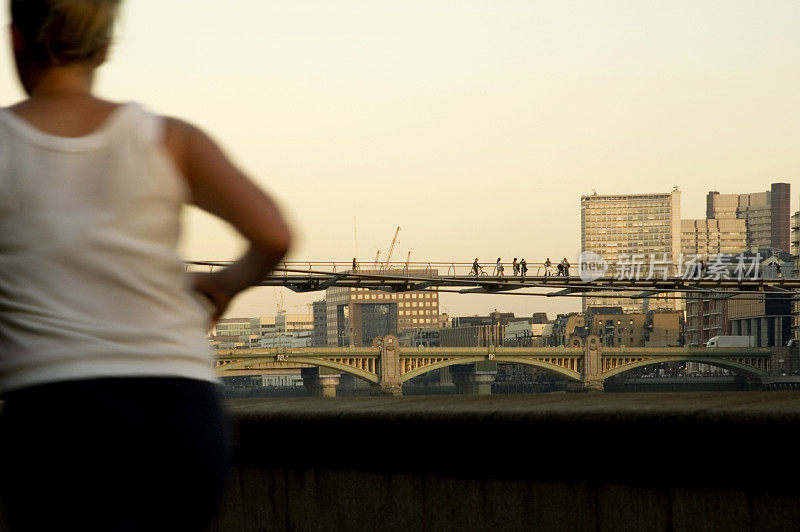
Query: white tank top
pixel 90 283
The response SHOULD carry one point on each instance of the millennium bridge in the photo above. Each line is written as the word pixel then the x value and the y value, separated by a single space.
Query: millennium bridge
pixel 459 278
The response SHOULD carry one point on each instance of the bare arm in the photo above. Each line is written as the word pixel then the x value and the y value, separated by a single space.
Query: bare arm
pixel 220 188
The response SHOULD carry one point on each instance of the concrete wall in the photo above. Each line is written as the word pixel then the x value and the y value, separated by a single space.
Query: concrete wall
pixel 550 462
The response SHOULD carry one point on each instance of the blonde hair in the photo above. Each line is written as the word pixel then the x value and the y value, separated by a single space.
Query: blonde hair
pixel 62 32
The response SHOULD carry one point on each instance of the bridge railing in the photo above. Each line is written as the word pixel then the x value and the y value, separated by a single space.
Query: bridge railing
pixel 641 275
pixel 413 268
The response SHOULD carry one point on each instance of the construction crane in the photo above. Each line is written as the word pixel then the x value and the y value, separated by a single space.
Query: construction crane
pixel 279 304
pixel 377 258
pixel 391 249
pixel 408 259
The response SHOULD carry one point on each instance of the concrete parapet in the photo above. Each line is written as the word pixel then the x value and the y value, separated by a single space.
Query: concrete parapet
pixel 594 461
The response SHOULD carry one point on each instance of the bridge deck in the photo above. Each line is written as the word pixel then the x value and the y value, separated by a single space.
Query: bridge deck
pixel 400 278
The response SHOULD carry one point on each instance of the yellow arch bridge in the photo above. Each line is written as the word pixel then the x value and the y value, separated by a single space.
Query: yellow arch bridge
pixel 386 365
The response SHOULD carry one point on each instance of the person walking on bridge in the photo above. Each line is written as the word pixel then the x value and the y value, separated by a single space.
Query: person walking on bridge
pixel 547 265
pixel 112 417
pixel 499 268
pixel 523 268
pixel 515 267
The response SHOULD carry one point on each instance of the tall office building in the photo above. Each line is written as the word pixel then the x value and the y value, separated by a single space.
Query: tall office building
pixel 707 238
pixel 619 226
pixel 766 214
pixel 796 273
pixel 356 315
pixel 320 323
pixel 795 242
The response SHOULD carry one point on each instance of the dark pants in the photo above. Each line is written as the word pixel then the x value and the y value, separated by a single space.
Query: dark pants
pixel 113 454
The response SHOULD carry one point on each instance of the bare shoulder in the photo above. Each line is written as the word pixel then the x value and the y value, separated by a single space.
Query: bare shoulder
pixel 179 132
pixel 199 158
pixel 179 127
pixel 181 139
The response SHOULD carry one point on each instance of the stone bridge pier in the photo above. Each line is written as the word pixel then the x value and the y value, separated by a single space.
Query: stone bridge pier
pixel 474 379
pixel 320 382
pixel 388 366
pixel 592 364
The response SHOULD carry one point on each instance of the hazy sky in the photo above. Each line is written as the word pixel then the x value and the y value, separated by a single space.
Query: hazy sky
pixel 475 126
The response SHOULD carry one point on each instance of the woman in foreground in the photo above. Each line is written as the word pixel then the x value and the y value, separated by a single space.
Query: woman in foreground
pixel 112 419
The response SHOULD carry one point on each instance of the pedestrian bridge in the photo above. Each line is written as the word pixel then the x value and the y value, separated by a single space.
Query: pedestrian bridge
pixel 387 366
pixel 458 277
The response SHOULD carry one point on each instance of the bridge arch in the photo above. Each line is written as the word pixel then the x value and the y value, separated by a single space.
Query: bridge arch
pixel 310 362
pixel 732 365
pixel 550 368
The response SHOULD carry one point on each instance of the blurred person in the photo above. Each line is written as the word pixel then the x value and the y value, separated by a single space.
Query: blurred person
pixel 112 419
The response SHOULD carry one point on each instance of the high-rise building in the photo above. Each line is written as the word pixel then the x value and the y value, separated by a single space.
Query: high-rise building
pixel 320 309
pixel 795 245
pixel 766 214
pixel 619 226
pixel 795 242
pixel 357 315
pixel 710 237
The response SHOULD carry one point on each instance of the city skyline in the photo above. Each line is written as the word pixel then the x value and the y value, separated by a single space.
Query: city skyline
pixel 474 128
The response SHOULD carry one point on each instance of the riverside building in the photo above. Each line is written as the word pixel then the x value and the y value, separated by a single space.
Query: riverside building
pixel 619 226
pixel 706 238
pixel 357 315
pixel 766 214
pixel 795 245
